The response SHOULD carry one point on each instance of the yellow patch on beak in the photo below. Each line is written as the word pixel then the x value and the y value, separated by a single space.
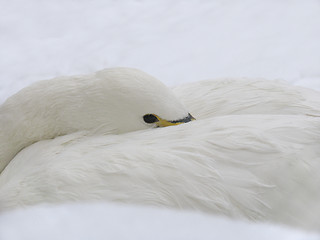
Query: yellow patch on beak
pixel 165 123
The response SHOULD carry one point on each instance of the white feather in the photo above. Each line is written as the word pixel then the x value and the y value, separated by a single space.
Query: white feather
pixel 260 161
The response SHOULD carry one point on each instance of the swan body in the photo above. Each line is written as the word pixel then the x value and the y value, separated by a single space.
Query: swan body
pixel 253 152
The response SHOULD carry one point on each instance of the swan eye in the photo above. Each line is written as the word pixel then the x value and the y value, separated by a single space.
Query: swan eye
pixel 150 118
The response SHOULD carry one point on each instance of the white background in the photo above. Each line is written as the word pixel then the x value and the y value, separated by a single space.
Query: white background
pixel 176 41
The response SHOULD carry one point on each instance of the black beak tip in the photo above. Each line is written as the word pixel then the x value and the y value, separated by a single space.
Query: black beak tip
pixel 189 118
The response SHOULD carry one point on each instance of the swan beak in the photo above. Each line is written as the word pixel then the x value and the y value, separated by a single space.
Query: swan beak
pixel 166 123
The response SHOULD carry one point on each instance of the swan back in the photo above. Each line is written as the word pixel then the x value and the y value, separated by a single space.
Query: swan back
pixel 227 96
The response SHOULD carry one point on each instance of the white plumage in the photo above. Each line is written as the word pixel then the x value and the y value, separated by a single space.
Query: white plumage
pixel 253 152
pixel 110 101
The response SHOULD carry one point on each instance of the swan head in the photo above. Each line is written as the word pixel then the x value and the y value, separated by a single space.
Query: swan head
pixel 121 99
pixel 111 101
pixel 137 101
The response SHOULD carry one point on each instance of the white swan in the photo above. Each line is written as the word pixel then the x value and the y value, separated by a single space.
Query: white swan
pixel 253 165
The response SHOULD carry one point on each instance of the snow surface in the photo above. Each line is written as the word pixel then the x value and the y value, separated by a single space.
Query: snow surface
pixel 107 221
pixel 176 41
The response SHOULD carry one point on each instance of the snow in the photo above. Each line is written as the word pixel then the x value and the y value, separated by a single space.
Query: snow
pixel 176 41
pixel 107 221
